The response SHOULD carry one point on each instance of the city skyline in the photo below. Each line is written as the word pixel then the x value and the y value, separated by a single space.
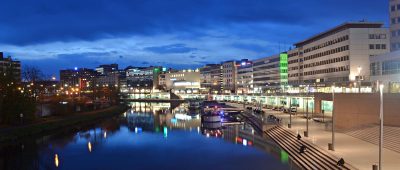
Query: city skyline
pixel 190 36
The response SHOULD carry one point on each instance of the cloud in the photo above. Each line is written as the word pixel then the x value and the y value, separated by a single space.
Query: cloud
pixel 168 49
pixel 44 21
pixel 177 33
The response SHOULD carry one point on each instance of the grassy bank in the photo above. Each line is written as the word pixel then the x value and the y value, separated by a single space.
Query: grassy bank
pixel 16 133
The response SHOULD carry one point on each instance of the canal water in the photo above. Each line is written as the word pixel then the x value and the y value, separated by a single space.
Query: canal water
pixel 148 136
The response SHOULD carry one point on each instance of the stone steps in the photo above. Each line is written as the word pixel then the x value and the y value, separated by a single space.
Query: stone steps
pixel 313 158
pixel 391 136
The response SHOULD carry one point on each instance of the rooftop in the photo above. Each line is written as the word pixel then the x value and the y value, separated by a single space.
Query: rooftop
pixel 344 26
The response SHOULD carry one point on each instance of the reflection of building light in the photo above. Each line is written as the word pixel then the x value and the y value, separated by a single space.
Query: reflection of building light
pixel 138 129
pixel 89 146
pixel 165 132
pixel 182 116
pixel 105 135
pixel 208 135
pixel 244 142
pixel 174 121
pixel 198 129
pixel 56 161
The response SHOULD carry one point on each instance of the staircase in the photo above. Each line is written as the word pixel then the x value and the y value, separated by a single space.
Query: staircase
pixel 312 158
pixel 391 136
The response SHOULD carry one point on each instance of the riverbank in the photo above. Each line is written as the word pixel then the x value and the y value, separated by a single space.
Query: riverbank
pixel 42 127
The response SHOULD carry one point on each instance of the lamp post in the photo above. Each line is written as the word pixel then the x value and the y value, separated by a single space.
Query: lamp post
pixel 381 126
pixel 290 113
pixel 306 132
pixel 332 145
pixel 359 79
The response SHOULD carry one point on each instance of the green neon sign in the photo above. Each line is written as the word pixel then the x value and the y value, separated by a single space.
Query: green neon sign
pixel 283 68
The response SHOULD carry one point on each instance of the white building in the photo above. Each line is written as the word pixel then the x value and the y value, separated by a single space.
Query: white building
pixel 185 81
pixel 266 74
pixel 245 77
pixel 394 11
pixel 385 69
pixel 229 77
pixel 339 56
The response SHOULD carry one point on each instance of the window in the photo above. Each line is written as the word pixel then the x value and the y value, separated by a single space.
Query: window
pixel 393 8
pixel 383 46
pixel 382 36
pixel 393 33
pixel 377 46
pixel 371 46
pixel 398 6
pixel 393 21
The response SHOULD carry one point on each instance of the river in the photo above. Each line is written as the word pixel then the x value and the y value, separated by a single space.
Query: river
pixel 148 136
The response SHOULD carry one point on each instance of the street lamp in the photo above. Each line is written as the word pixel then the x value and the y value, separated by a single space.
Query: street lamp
pixel 306 132
pixel 332 145
pixel 290 113
pixel 381 126
pixel 359 79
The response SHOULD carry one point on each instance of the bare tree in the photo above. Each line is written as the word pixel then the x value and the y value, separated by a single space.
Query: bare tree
pixel 32 74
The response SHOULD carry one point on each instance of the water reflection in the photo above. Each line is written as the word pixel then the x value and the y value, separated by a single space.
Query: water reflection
pixel 148 136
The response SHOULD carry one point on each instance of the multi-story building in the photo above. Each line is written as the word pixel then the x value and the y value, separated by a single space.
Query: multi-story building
pixel 107 69
pixel 83 78
pixel 210 78
pixel 266 74
pixel 394 11
pixel 385 69
pixel 109 80
pixel 339 56
pixel 185 81
pixel 245 77
pixel 142 77
pixel 10 65
pixel 109 76
pixel 229 77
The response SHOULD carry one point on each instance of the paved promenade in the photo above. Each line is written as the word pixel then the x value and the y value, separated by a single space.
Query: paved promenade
pixel 359 153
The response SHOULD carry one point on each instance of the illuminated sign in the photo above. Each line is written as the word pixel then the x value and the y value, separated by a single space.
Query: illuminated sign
pixel 283 68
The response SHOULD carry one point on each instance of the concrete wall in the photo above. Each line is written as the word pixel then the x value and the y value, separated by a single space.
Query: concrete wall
pixel 355 110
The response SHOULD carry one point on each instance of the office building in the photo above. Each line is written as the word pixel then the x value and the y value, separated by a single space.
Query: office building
pixel 339 57
pixel 394 17
pixel 82 78
pixel 385 69
pixel 211 78
pixel 142 77
pixel 9 65
pixel 229 77
pixel 107 69
pixel 184 81
pixel 266 74
pixel 245 77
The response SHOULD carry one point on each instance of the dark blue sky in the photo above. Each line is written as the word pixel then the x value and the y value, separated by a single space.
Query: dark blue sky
pixel 54 34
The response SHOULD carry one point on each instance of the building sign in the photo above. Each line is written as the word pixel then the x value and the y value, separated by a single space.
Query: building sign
pixel 283 69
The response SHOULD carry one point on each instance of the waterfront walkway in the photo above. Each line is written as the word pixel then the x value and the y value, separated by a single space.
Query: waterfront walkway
pixel 359 153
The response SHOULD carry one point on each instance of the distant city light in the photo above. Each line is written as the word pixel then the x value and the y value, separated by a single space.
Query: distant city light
pixel 76 68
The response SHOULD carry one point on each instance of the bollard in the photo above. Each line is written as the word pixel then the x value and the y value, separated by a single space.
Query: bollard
pixel 375 167
pixel 305 134
pixel 330 147
pixel 289 125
